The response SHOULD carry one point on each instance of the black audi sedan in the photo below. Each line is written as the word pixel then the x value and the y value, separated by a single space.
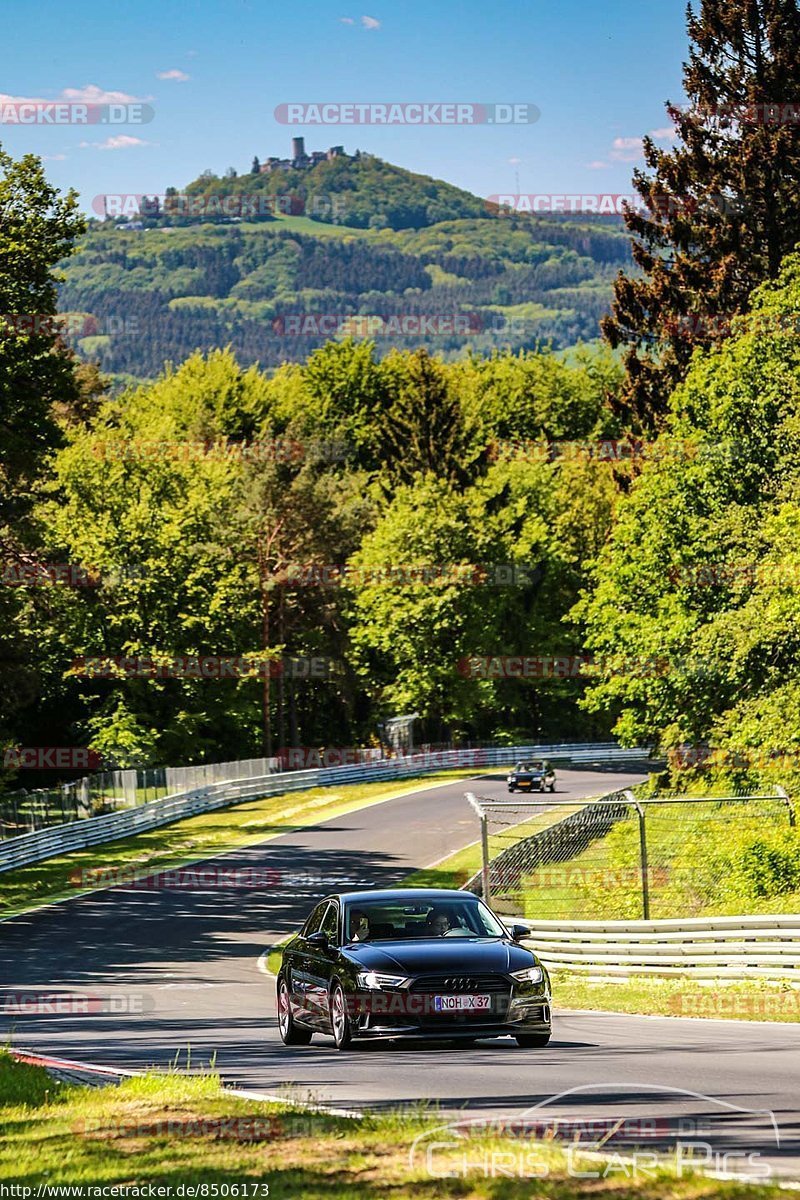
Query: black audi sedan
pixel 410 963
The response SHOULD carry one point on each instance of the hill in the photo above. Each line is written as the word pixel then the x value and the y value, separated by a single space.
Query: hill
pixel 418 262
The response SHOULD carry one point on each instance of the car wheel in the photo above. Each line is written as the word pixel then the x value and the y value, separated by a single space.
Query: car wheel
pixel 511 789
pixel 552 787
pixel 529 1041
pixel 291 1033
pixel 541 789
pixel 340 1022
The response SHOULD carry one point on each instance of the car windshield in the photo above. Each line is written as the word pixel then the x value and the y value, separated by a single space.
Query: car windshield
pixel 529 766
pixel 392 920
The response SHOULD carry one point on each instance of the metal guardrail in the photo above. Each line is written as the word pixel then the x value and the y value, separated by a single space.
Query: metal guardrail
pixel 77 835
pixel 766 947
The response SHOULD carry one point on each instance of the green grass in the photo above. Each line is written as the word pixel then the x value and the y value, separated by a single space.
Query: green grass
pixel 198 838
pixel 709 859
pixel 746 1001
pixel 166 1130
pixel 313 228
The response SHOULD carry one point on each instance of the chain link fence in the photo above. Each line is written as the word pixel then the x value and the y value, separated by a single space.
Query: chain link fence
pixel 625 857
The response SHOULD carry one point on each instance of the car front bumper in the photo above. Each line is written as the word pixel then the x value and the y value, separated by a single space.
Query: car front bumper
pixel 523 1015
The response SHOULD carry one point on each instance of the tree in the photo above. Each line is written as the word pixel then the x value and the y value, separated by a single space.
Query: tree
pixel 38 228
pixel 695 607
pixel 256 167
pixel 722 208
pixel 424 429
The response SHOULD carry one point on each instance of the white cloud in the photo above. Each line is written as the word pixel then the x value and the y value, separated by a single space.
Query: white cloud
pixel 626 149
pixel 668 134
pixel 89 94
pixel 53 157
pixel 347 20
pixel 597 164
pixel 122 141
pixel 515 162
pixel 370 23
pixel 178 76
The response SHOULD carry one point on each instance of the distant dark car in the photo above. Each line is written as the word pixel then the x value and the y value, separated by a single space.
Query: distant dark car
pixel 536 775
pixel 410 964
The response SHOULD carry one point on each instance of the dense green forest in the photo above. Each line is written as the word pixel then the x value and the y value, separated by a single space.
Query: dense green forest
pixel 262 547
pixel 439 268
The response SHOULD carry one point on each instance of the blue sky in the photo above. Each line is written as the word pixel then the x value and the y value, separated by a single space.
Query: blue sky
pixel 215 70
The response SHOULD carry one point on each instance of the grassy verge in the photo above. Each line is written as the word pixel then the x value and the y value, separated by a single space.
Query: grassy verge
pixel 198 838
pixel 705 859
pixel 172 1130
pixel 746 1001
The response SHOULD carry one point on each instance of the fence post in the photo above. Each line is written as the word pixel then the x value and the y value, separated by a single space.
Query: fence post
pixel 474 802
pixel 784 795
pixel 485 884
pixel 644 862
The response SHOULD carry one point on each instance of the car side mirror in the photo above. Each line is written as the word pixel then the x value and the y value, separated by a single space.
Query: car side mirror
pixel 320 940
pixel 519 932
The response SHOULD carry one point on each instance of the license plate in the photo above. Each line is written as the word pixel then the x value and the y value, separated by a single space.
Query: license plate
pixel 461 1003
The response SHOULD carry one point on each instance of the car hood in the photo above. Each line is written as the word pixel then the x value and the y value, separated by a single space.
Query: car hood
pixel 421 956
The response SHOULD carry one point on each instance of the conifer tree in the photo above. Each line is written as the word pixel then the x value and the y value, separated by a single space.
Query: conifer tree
pixel 719 210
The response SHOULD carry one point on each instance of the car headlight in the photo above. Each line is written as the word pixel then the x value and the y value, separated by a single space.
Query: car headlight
pixel 529 975
pixel 374 980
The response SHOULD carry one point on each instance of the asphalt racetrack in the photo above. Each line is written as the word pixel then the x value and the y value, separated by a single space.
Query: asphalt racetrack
pixel 172 969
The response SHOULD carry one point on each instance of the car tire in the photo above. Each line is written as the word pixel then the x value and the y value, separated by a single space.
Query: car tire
pixel 552 787
pixel 340 1021
pixel 511 789
pixel 530 1041
pixel 542 789
pixel 291 1033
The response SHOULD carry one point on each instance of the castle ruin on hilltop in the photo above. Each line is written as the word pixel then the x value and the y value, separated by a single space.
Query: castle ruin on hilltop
pixel 300 161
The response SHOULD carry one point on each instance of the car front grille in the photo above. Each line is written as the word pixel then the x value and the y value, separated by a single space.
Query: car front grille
pixel 462 982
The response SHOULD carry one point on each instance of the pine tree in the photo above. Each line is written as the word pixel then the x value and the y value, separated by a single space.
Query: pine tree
pixel 722 208
pixel 256 167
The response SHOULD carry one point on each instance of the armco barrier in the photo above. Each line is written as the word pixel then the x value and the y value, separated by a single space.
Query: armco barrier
pixel 93 831
pixel 766 947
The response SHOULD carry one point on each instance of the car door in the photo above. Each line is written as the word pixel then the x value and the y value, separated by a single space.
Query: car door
pixel 300 968
pixel 321 965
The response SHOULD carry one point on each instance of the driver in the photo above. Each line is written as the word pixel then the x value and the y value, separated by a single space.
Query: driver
pixel 359 925
pixel 437 922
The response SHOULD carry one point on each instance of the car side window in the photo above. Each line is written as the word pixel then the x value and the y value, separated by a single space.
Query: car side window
pixel 315 920
pixel 330 922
